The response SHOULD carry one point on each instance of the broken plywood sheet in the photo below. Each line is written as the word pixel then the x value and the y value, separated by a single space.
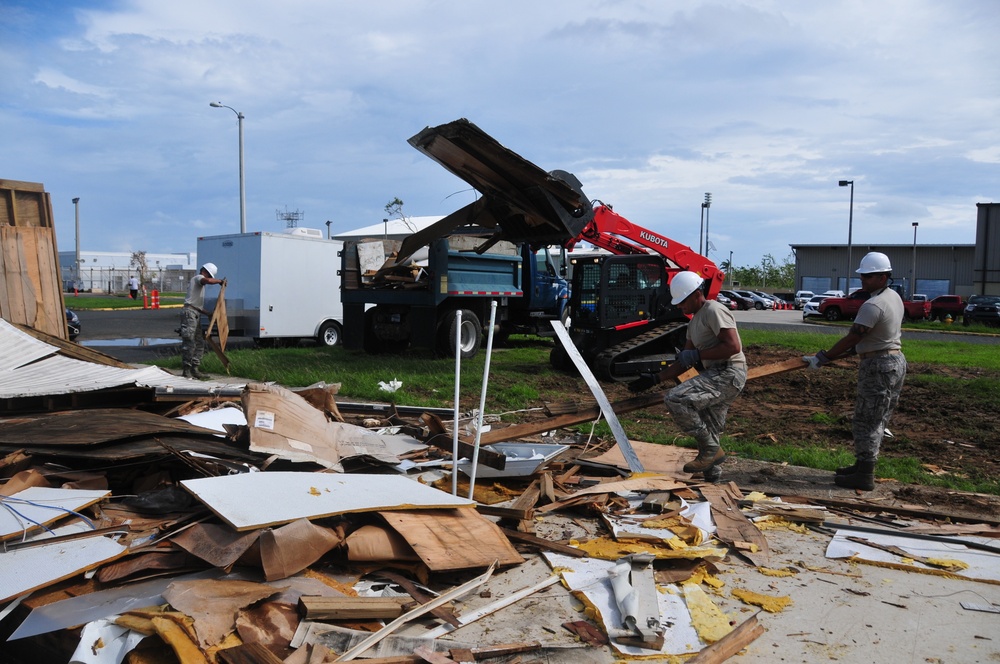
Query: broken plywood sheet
pixel 645 482
pixel 29 568
pixel 969 563
pixel 450 540
pixel 90 427
pixel 258 500
pixel 589 577
pixel 30 510
pixel 666 459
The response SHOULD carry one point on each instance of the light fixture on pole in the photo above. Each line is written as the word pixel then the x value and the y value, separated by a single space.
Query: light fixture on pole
pixel 708 206
pixel 328 222
pixel 76 265
pixel 243 191
pixel 850 227
pixel 913 274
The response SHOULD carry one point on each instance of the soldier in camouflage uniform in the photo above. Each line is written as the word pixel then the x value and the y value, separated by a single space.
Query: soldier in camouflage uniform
pixel 875 336
pixel 192 335
pixel 700 405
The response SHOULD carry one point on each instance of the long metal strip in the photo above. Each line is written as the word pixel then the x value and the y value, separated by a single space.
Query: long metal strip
pixel 602 400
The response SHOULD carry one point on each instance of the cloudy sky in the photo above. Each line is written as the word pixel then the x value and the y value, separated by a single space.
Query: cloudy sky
pixel 765 104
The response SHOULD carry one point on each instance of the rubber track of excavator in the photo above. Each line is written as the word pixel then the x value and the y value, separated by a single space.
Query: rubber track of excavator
pixel 605 361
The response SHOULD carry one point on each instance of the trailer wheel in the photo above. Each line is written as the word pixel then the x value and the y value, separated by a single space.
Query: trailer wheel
pixel 329 333
pixel 472 334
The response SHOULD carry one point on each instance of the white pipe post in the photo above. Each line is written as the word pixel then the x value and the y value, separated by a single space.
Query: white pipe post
pixel 482 399
pixel 454 426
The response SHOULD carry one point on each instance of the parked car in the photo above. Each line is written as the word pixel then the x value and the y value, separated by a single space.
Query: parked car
pixel 811 307
pixel 73 324
pixel 801 297
pixel 983 309
pixel 742 303
pixel 726 302
pixel 766 296
pixel 834 293
pixel 947 305
pixel 758 301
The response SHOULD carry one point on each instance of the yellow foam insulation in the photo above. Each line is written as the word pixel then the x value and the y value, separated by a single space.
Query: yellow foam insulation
pixel 767 571
pixel 953 565
pixel 766 602
pixel 483 493
pixel 708 620
pixel 606 548
pixel 922 570
pixel 679 526
pixel 702 575
pixel 756 496
pixel 776 522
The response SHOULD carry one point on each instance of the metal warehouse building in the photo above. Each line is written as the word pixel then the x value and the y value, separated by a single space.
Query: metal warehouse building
pixel 961 269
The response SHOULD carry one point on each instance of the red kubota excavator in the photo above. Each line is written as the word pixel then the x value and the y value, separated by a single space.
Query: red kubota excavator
pixel 621 317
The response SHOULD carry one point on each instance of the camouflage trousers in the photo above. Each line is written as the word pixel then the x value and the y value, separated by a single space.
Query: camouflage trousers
pixel 192 338
pixel 880 380
pixel 700 405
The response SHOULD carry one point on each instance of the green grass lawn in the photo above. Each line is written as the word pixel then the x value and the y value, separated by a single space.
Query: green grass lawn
pixel 522 379
pixel 93 302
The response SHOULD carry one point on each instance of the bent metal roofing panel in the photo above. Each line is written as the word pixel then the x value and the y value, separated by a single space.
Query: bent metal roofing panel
pixel 29 367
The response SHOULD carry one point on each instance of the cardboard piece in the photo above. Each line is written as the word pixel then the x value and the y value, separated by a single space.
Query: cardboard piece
pixel 217 544
pixel 373 543
pixel 284 423
pixel 666 459
pixel 294 547
pixel 214 604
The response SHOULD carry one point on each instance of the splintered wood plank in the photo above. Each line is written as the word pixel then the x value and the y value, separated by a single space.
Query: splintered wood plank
pixel 453 539
pixel 351 608
pixel 733 526
pixel 776 368
pixel 258 500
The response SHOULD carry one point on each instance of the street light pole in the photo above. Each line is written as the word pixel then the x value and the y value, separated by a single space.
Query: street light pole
pixel 850 226
pixel 730 270
pixel 76 265
pixel 708 207
pixel 701 231
pixel 243 191
pixel 913 274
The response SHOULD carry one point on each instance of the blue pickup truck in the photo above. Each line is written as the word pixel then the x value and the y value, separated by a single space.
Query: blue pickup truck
pixel 416 305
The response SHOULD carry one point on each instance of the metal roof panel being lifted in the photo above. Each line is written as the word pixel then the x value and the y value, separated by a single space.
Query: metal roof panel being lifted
pixel 526 203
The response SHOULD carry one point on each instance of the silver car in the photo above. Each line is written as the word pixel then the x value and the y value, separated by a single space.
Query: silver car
pixel 801 297
pixel 758 301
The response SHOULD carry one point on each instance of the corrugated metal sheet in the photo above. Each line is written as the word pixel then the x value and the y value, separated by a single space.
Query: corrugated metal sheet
pixel 29 367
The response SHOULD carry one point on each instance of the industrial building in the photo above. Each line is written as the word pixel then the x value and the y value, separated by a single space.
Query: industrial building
pixel 930 269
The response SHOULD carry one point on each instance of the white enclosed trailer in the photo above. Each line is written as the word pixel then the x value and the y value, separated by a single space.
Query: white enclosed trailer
pixel 281 287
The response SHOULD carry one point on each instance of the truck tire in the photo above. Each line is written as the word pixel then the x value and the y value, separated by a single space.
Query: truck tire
pixel 833 313
pixel 472 334
pixel 329 333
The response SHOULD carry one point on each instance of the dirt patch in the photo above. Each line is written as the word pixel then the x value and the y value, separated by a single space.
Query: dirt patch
pixel 949 426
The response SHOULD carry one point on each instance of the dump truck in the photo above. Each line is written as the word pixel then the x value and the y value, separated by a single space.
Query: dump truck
pixel 391 305
pixel 281 287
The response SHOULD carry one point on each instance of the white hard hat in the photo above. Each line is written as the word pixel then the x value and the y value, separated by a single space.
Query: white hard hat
pixel 873 262
pixel 210 268
pixel 682 285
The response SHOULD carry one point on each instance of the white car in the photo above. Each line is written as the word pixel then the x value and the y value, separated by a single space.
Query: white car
pixel 801 297
pixel 811 308
pixel 834 293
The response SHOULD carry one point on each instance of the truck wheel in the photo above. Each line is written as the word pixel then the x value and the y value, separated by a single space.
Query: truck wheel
pixel 329 333
pixel 472 334
pixel 833 313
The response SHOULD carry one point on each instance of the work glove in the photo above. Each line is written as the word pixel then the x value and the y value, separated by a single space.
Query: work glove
pixel 644 382
pixel 816 361
pixel 689 357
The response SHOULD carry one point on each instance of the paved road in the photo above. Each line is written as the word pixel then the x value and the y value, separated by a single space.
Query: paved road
pixel 137 335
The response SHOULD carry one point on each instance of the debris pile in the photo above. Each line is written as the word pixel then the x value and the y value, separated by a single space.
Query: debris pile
pixel 293 527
